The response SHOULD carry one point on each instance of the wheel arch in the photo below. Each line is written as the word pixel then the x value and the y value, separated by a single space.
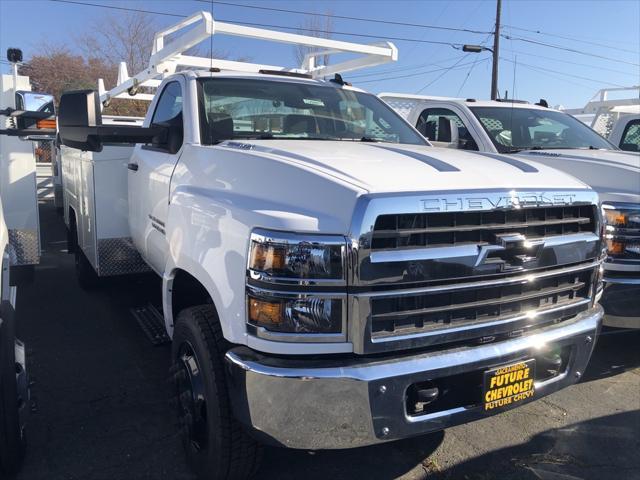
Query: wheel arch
pixel 183 288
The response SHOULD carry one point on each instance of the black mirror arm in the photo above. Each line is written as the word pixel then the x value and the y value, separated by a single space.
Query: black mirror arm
pixel 12 112
pixel 25 132
pixel 129 134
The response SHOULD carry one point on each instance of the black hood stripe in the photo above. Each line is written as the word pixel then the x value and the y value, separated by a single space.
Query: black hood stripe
pixel 525 167
pixel 433 162
pixel 285 154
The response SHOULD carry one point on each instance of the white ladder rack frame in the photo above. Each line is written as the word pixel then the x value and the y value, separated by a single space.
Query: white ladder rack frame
pixel 166 58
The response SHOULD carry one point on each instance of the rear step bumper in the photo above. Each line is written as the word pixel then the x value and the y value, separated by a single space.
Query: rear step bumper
pixel 338 403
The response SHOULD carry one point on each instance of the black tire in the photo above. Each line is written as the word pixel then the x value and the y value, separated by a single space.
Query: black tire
pixel 12 437
pixel 87 277
pixel 216 445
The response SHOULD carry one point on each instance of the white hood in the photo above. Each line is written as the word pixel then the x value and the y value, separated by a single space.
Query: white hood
pixel 615 175
pixel 387 167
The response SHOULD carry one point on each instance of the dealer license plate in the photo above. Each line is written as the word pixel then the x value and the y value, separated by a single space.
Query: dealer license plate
pixel 509 385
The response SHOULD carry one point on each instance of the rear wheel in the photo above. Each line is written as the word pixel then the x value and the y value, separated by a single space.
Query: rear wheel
pixel 13 401
pixel 87 277
pixel 216 445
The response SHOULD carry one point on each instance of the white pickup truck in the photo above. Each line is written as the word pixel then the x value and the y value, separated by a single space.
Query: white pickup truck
pixel 535 132
pixel 625 132
pixel 328 279
pixel 614 115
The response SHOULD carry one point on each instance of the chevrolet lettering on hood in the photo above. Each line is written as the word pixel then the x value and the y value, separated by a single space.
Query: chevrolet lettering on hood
pixel 463 203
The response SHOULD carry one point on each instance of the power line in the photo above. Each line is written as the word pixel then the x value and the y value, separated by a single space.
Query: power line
pixel 573 39
pixel 464 82
pixel 283 27
pixel 401 69
pixel 441 75
pixel 536 69
pixel 565 74
pixel 519 52
pixel 572 50
pixel 346 17
pixel 395 77
pixel 112 7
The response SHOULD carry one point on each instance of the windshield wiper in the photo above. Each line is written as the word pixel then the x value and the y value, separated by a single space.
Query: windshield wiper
pixel 373 140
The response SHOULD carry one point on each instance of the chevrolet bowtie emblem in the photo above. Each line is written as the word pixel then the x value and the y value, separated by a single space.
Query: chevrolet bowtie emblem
pixel 510 251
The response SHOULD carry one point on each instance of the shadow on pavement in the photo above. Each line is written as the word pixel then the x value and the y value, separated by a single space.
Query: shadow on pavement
pixel 597 449
pixel 385 461
pixel 616 352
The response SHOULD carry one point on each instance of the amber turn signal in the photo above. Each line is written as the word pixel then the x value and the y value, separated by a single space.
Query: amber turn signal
pixel 46 123
pixel 615 218
pixel 265 313
pixel 614 247
pixel 268 256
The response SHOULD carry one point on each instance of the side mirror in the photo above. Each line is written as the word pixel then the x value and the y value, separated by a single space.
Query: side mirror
pixel 33 102
pixel 79 117
pixel 174 134
pixel 80 125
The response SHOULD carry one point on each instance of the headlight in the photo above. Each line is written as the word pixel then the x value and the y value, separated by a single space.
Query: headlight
pixel 622 229
pixel 288 278
pixel 284 255
pixel 305 314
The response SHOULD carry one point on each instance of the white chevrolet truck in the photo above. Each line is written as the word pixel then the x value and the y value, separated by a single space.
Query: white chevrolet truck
pixel 328 279
pixel 614 115
pixel 535 132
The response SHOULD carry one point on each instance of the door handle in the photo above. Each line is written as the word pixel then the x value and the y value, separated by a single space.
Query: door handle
pixel 132 166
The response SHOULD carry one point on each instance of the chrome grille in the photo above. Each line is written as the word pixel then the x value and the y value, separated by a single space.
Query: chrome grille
pixel 438 269
pixel 459 228
pixel 475 304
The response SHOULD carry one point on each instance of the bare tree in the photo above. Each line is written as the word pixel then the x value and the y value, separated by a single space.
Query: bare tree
pixel 120 38
pixel 56 70
pixel 316 26
pixel 103 45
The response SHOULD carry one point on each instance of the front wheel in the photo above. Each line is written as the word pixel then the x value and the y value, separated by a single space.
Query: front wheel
pixel 215 444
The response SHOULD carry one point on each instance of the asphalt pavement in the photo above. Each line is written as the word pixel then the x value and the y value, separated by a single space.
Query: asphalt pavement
pixel 100 408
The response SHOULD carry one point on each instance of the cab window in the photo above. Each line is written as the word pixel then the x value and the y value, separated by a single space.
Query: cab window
pixel 444 128
pixel 631 137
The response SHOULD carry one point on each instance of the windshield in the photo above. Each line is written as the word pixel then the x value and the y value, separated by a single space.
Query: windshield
pixel 263 109
pixel 513 129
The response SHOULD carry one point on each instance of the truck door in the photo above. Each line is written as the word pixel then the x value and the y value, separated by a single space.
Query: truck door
pixel 444 128
pixel 150 170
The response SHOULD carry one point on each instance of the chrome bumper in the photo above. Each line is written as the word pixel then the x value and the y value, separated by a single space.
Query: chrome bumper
pixel 338 403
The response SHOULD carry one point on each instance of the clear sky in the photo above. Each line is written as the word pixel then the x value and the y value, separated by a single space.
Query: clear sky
pixel 607 32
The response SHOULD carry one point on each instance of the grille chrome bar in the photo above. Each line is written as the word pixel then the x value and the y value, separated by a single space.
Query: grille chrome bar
pixel 454 228
pixel 481 303
pixel 470 228
pixel 484 327
pixel 468 250
pixel 511 280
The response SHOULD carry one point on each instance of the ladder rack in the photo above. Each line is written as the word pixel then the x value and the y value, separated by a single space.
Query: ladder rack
pixel 166 57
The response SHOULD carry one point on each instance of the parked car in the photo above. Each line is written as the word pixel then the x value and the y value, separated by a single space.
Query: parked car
pixel 535 132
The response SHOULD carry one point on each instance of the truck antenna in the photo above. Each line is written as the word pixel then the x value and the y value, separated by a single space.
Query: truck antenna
pixel 211 69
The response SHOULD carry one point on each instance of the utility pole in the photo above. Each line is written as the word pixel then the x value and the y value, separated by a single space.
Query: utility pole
pixel 496 52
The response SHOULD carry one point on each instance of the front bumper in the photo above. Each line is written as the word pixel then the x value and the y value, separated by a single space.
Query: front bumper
pixel 338 403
